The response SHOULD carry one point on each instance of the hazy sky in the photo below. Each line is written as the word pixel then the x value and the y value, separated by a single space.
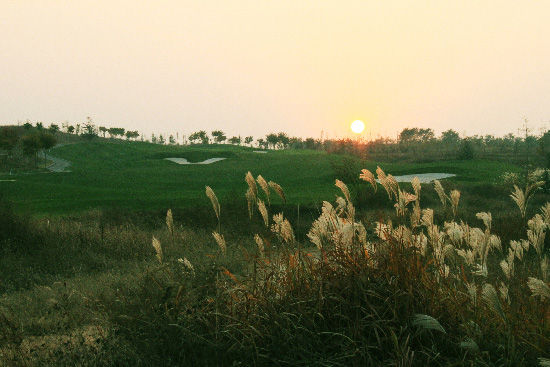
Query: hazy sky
pixel 252 67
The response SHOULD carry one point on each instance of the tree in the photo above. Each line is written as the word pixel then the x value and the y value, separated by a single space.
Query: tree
pixel 31 146
pixel 248 140
pixel 172 140
pixel 90 130
pixel 103 130
pixel 116 131
pixel 199 136
pixel 27 125
pixel 8 138
pixel 54 128
pixel 466 151
pixel 39 125
pixel 153 139
pixel 219 136
pixel 70 129
pixel 283 140
pixel 47 141
pixel 450 137
pixel 131 135
pixel 272 140
pixel 235 140
pixel 416 135
pixel 261 143
pixel 309 143
pixel 161 140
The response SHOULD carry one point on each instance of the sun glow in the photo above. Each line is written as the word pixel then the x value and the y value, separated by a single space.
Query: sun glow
pixel 357 126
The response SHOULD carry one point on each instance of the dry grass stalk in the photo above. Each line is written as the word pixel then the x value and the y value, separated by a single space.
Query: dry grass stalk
pixel 368 176
pixel 539 288
pixel 220 241
pixel 251 184
pixel 265 187
pixel 250 199
pixel 260 244
pixel 170 221
pixel 342 186
pixel 441 192
pixel 158 249
pixel 416 186
pixel 278 189
pixel 455 198
pixel 215 204
pixel 263 212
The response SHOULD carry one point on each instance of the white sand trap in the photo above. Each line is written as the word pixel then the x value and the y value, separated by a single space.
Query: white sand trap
pixel 185 161
pixel 423 177
pixel 7 180
pixel 260 151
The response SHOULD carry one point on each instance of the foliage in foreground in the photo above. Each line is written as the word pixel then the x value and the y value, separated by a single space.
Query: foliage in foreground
pixel 405 292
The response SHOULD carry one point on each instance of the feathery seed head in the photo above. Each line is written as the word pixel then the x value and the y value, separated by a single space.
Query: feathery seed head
pixel 368 176
pixel 416 186
pixel 158 249
pixel 220 241
pixel 263 184
pixel 539 288
pixel 251 184
pixel 260 243
pixel 213 198
pixel 250 199
pixel 278 189
pixel 441 192
pixel 342 186
pixel 263 212
pixel 170 221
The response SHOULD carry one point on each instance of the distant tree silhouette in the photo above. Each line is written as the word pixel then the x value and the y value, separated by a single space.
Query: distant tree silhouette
pixel 103 130
pixel 272 140
pixel 450 137
pixel 248 140
pixel 235 140
pixel 219 136
pixel 199 136
pixel 54 128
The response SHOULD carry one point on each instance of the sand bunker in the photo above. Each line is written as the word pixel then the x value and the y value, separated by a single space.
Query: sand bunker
pixel 423 177
pixel 260 151
pixel 7 180
pixel 185 161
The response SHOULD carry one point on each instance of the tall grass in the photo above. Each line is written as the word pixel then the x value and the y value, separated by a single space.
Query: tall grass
pixel 420 287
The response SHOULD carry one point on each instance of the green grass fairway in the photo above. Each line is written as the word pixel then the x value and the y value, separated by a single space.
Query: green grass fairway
pixel 134 175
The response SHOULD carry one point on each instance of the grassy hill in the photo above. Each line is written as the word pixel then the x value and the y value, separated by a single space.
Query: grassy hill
pixel 134 175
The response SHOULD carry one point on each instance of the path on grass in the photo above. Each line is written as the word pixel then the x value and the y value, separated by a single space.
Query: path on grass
pixel 58 165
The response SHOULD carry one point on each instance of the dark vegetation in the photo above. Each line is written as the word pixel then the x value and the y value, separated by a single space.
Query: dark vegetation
pixel 80 283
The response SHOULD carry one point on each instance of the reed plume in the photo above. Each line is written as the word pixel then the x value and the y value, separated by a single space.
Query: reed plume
pixel 220 241
pixel 170 222
pixel 158 249
pixel 368 176
pixel 265 187
pixel 278 189
pixel 213 198
pixel 251 184
pixel 263 212
pixel 250 199
pixel 441 192
pixel 342 186
pixel 454 199
pixel 260 243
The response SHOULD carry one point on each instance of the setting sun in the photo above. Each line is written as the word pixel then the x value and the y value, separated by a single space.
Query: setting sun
pixel 357 126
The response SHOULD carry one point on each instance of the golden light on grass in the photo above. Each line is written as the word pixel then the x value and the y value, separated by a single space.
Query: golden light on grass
pixel 357 126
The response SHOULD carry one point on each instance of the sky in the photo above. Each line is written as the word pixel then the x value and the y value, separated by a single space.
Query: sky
pixel 254 67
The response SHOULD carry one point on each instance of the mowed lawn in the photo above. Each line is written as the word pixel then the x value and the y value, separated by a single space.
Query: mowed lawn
pixel 134 175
